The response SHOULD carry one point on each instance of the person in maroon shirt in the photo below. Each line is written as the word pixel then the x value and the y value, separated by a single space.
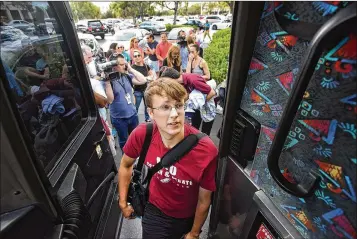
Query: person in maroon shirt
pixel 190 81
pixel 193 81
pixel 179 196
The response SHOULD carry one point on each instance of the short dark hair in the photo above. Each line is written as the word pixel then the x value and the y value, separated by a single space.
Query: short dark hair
pixel 169 72
pixel 151 35
pixel 163 33
pixel 115 56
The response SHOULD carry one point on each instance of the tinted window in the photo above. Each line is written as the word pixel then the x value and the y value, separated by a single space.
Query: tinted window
pixel 42 86
pixel 95 24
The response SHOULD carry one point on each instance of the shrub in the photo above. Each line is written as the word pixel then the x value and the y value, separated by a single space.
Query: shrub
pixel 217 55
pixel 170 26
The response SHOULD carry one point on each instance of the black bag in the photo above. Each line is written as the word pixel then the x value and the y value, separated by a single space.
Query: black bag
pixel 138 194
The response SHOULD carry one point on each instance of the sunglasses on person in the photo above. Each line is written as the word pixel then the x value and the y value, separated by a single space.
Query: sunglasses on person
pixel 136 55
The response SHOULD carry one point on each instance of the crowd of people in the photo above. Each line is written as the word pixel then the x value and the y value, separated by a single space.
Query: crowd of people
pixel 146 62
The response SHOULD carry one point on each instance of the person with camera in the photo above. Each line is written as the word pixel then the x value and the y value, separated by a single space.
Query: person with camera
pixel 123 112
pixel 179 196
pixel 184 51
pixel 140 89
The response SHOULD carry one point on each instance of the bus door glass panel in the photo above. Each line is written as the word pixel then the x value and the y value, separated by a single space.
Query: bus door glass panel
pixel 40 83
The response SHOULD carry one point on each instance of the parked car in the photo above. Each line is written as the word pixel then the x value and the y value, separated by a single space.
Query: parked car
pixel 153 27
pixel 172 36
pixel 22 25
pixel 124 36
pixel 194 22
pixel 81 27
pixel 123 25
pixel 94 27
pixel 111 21
pixel 222 24
pixel 213 18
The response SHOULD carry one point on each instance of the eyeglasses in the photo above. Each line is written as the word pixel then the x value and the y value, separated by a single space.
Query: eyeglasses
pixel 120 47
pixel 166 108
pixel 136 56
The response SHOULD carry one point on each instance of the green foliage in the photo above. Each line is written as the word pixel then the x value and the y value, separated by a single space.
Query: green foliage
pixel 170 26
pixel 84 10
pixel 130 9
pixel 107 14
pixel 195 9
pixel 217 55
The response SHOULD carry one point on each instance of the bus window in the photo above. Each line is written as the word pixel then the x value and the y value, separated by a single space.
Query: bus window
pixel 40 83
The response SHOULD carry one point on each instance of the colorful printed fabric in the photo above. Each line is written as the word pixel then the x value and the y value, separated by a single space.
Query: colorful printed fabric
pixel 323 134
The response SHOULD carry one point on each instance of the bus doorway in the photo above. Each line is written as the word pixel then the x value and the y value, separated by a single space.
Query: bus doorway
pixel 287 165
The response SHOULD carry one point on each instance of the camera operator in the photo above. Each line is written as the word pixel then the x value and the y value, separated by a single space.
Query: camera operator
pixel 123 112
pixel 184 51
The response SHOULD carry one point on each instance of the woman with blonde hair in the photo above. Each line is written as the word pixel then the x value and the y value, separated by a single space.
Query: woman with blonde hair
pixel 134 45
pixel 173 58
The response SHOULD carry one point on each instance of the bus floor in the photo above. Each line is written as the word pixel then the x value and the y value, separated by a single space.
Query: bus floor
pixel 131 229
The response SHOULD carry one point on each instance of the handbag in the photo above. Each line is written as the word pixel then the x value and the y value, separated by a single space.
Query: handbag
pixel 138 194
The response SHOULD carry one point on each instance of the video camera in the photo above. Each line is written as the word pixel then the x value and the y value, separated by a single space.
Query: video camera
pixel 107 67
pixel 181 40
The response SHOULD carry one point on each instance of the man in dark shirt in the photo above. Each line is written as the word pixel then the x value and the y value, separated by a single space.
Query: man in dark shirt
pixel 140 89
pixel 151 52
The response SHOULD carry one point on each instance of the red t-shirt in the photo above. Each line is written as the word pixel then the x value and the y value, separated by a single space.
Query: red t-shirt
pixel 193 81
pixel 175 190
pixel 162 49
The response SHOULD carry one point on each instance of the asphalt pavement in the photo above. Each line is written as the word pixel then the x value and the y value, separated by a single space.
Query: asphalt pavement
pixel 132 228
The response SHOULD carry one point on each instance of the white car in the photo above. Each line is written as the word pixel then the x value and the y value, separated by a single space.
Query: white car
pixel 124 36
pixel 222 24
pixel 213 19
pixel 123 25
pixel 89 40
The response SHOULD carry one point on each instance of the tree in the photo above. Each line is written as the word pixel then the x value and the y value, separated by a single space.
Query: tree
pixel 175 9
pixel 130 9
pixel 195 9
pixel 230 5
pixel 84 10
pixel 108 14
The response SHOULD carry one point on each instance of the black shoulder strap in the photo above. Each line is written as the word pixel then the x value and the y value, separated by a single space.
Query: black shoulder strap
pixel 144 150
pixel 177 152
